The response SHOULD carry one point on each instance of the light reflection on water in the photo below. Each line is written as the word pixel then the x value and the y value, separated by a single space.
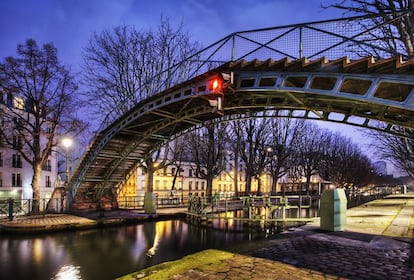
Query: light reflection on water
pixel 106 253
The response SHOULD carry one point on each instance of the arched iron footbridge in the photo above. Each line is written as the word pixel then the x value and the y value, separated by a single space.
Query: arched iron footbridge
pixel 365 92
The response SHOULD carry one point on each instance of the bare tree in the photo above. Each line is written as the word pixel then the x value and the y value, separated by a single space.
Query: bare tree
pixel 310 150
pixel 396 36
pixel 343 163
pixel 398 150
pixel 207 150
pixel 253 138
pixel 124 66
pixel 285 136
pixel 42 103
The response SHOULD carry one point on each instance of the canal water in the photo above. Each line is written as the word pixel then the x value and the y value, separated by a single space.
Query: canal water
pixel 107 253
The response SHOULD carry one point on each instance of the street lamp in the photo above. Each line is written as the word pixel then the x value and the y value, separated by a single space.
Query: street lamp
pixel 67 142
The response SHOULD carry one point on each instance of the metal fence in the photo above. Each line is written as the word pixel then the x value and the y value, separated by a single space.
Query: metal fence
pixel 137 202
pixel 12 208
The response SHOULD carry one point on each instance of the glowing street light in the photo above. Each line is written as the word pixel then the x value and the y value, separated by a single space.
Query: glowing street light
pixel 67 142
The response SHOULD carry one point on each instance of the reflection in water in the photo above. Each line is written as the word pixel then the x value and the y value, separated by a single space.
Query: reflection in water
pixel 68 272
pixel 105 253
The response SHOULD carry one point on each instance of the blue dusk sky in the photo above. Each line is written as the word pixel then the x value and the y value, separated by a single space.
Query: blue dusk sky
pixel 69 24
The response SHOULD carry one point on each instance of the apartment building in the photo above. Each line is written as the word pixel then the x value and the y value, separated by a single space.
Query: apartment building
pixel 15 173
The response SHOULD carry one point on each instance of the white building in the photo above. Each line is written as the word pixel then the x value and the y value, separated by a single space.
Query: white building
pixel 15 173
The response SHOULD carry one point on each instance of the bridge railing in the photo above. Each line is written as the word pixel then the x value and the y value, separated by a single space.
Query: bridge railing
pixel 354 37
pixel 137 202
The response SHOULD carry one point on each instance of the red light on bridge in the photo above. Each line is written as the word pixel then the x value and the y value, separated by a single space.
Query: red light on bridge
pixel 216 84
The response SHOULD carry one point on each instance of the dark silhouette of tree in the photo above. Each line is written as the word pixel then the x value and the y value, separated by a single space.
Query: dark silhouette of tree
pixel 398 150
pixel 123 66
pixel 207 147
pixel 310 150
pixel 343 163
pixel 396 36
pixel 42 101
pixel 251 135
pixel 285 136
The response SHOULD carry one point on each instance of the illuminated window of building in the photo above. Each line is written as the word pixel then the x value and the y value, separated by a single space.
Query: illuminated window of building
pixel 18 103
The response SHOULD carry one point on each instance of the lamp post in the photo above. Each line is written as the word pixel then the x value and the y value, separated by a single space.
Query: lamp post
pixel 67 142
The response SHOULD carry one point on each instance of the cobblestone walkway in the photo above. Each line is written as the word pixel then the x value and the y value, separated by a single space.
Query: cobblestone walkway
pixel 378 258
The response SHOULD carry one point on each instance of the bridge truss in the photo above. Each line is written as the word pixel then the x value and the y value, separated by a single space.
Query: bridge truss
pixel 365 92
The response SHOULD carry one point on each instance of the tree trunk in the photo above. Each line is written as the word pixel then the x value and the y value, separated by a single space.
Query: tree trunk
pixel 236 174
pixel 259 185
pixel 150 179
pixel 248 184
pixel 274 185
pixel 209 190
pixel 37 173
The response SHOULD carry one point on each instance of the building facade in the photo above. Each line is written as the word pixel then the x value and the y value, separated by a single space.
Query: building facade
pixel 15 172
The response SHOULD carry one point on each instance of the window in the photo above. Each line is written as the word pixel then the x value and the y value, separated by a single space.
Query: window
pixel 17 141
pixel 47 166
pixel 16 180
pixel 1 160
pixel 1 180
pixel 196 185
pixel 165 184
pixel 190 172
pixel 17 161
pixel 190 186
pixel 173 171
pixel 157 184
pixel 202 185
pixel 47 181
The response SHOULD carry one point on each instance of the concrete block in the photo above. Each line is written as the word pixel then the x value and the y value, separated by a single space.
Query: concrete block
pixel 333 210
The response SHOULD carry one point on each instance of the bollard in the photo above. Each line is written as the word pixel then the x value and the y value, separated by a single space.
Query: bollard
pixel 333 210
pixel 10 202
pixel 150 203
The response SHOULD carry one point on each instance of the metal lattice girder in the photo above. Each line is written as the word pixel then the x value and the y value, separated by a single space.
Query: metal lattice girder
pixel 116 150
pixel 360 93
